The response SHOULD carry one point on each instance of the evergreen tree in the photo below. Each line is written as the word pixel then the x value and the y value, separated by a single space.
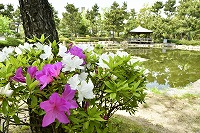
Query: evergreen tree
pixel 71 19
pixel 114 18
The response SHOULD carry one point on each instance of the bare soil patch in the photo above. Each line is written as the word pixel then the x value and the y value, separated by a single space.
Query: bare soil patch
pixel 178 115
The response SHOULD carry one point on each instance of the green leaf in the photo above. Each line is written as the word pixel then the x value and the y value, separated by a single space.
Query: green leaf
pixel 41 112
pixel 28 79
pixel 86 125
pixel 137 84
pixel 34 101
pixel 34 84
pixel 99 119
pixel 108 91
pixel 16 119
pixel 42 39
pixel 113 95
pixel 54 44
pixel 5 107
pixel 108 84
pixel 57 124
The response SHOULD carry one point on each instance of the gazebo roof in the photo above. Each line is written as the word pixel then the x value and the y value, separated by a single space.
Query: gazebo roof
pixel 140 30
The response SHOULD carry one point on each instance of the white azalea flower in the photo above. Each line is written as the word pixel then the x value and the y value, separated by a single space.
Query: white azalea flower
pixel 71 63
pixel 39 46
pixel 122 53
pixel 18 51
pixel 111 55
pixel 92 73
pixel 85 90
pixel 6 51
pixel 86 47
pixel 3 56
pixel 101 63
pixel 138 67
pixel 27 46
pixel 83 76
pixel 132 61
pixel 5 90
pixel 113 77
pixel 74 82
pixel 47 52
pixel 62 50
pixel 146 72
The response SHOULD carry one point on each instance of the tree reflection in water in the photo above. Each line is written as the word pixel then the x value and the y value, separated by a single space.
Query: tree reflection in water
pixel 168 67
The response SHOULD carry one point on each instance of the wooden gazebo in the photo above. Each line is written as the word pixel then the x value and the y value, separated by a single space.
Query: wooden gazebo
pixel 137 32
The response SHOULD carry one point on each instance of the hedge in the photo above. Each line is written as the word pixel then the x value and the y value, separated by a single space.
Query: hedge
pixel 184 42
pixel 10 42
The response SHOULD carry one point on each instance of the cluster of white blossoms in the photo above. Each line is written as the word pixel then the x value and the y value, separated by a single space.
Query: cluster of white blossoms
pixel 85 89
pixel 106 57
pixel 70 63
pixel 6 51
pixel 6 90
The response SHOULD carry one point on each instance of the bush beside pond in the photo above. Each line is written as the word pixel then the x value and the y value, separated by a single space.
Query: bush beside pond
pixel 184 42
pixel 10 42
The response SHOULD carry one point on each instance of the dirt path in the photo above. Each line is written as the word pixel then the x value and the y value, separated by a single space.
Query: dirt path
pixel 174 114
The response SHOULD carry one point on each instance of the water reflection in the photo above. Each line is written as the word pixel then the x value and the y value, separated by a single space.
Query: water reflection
pixel 168 67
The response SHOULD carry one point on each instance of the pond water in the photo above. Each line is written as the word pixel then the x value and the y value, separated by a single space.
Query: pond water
pixel 169 68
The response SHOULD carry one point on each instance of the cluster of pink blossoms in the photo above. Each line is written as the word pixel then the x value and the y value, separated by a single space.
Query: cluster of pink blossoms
pixel 57 106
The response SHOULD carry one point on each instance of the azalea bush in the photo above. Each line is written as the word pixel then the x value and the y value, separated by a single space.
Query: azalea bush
pixel 73 88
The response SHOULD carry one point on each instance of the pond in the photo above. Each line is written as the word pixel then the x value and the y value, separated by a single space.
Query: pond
pixel 169 68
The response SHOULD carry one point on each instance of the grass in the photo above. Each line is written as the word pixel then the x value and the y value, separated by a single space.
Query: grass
pixel 122 124
pixel 128 125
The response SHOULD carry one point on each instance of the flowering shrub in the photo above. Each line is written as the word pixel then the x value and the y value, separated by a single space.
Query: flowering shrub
pixel 73 87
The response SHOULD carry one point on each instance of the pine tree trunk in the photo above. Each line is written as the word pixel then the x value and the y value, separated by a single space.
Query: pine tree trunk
pixel 36 123
pixel 37 18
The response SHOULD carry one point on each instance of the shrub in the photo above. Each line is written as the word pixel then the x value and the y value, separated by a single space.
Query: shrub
pixel 13 41
pixel 75 88
pixel 187 42
pixel 65 40
pixel 172 41
pixel 82 40
pixel 184 42
pixel 3 43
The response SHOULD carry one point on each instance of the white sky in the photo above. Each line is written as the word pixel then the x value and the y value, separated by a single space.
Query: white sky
pixel 59 4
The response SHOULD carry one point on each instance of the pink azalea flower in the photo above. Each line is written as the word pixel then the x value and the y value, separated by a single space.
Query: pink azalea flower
pixel 32 71
pixel 19 77
pixel 55 108
pixel 45 76
pixel 77 52
pixel 56 69
pixel 68 95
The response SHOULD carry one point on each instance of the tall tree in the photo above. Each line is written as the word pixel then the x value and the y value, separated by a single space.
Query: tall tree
pixel 17 19
pixel 170 8
pixel 114 18
pixel 71 19
pixel 37 18
pixel 4 25
pixel 189 17
pixel 7 10
pixel 92 16
pixel 157 6
pixel 131 22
